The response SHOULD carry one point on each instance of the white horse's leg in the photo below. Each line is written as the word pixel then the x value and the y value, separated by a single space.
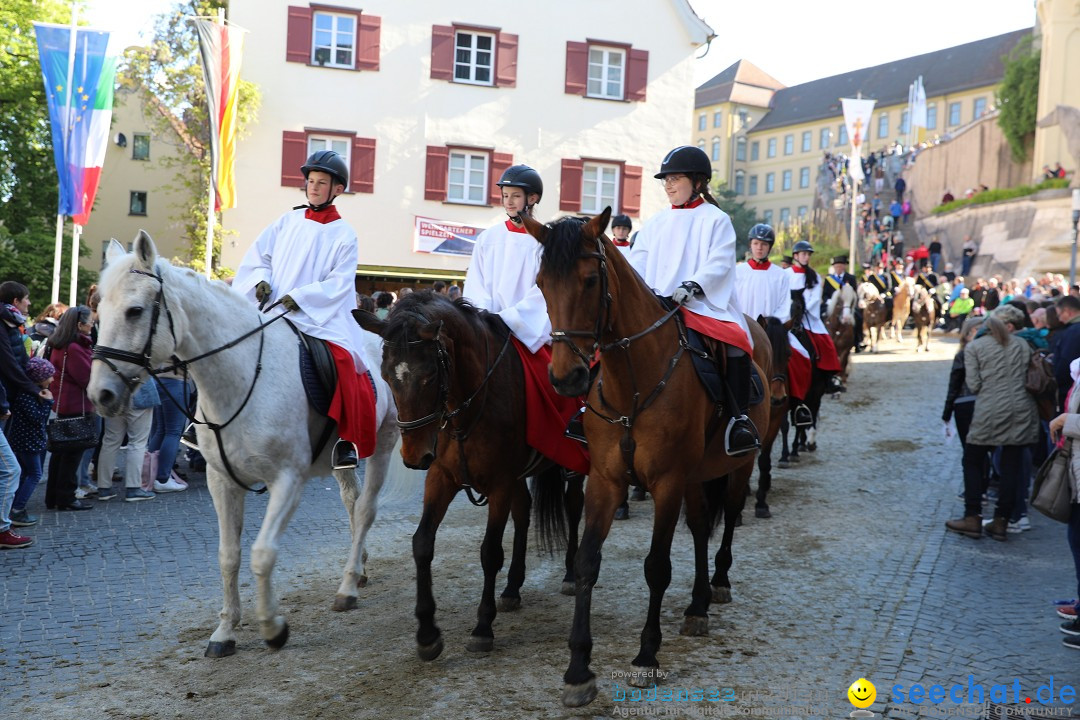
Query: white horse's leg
pixel 229 503
pixel 285 492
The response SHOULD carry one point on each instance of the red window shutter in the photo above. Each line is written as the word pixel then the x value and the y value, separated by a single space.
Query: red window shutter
pixel 506 59
pixel 435 175
pixel 442 52
pixel 298 42
pixel 630 193
pixel 367 42
pixel 499 163
pixel 293 155
pixel 637 75
pixel 362 172
pixel 577 68
pixel 570 187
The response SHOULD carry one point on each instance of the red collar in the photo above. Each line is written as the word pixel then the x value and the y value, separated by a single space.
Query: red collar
pixel 756 265
pixel 515 228
pixel 692 204
pixel 327 215
pixel 620 243
pixel 798 268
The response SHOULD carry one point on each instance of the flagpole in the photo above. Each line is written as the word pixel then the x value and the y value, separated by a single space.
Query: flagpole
pixel 58 252
pixel 76 233
pixel 211 195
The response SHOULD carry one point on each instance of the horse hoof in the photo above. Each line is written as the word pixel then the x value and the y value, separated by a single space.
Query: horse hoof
pixel 579 695
pixel 278 641
pixel 695 626
pixel 568 588
pixel 643 677
pixel 427 653
pixel 762 512
pixel 783 464
pixel 795 459
pixel 509 604
pixel 812 447
pixel 721 595
pixel 344 602
pixel 480 644
pixel 220 649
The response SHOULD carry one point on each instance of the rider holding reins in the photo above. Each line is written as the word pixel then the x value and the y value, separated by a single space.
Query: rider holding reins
pixel 805 280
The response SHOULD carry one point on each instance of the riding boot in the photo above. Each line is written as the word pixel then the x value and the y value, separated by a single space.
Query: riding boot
pixel 835 385
pixel 575 429
pixel 189 438
pixel 803 416
pixel 344 456
pixel 741 436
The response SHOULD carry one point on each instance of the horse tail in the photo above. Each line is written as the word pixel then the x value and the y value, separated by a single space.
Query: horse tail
pixel 549 509
pixel 715 490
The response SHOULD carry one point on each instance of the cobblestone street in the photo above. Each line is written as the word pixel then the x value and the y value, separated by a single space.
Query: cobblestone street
pixel 108 613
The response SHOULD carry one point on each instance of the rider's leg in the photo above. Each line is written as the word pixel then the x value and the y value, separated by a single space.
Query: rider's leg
pixel 741 436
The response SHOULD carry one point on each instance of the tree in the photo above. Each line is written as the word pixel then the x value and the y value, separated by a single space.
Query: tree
pixel 170 73
pixel 1018 98
pixel 742 217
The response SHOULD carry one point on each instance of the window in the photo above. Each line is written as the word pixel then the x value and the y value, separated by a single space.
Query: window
pixel 905 125
pixel 801 212
pixel 474 58
pixel 785 180
pixel 826 137
pixel 785 215
pixel 701 143
pixel 767 217
pixel 334 40
pixel 740 149
pixel 701 121
pixel 716 119
pixel 771 149
pixel 598 188
pixel 807 141
pixel 140 146
pixel 137 204
pixel 744 119
pixel 358 153
pixel 789 144
pixel 979 109
pixel 883 125
pixel 606 74
pixel 841 136
pixel 804 177
pixel 740 182
pixel 755 150
pixel 753 184
pixel 931 117
pixel 770 182
pixel 467 177
pixel 715 149
pixel 954 114
pixel 340 145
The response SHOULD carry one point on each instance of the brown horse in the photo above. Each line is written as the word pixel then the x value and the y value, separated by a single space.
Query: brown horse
pixel 923 311
pixel 649 418
pixel 901 309
pixel 453 372
pixel 776 335
pixel 875 314
pixel 840 321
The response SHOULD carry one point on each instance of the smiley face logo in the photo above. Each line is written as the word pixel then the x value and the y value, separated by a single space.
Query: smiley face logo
pixel 862 693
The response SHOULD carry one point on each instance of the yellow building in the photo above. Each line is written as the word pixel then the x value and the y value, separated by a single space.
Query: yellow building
pixel 785 144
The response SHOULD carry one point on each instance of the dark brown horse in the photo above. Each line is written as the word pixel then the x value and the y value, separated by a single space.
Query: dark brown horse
pixel 776 333
pixel 649 419
pixel 840 320
pixel 875 314
pixel 460 385
pixel 923 312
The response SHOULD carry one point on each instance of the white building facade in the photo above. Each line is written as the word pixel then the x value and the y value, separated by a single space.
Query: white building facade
pixel 430 101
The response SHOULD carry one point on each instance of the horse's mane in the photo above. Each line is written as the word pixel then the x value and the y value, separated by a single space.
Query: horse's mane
pixel 426 306
pixel 845 290
pixel 111 272
pixel 562 248
pixel 778 336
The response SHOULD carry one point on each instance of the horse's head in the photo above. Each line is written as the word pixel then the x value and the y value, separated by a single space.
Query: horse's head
pixel 580 291
pixel 136 330
pixel 417 363
pixel 777 332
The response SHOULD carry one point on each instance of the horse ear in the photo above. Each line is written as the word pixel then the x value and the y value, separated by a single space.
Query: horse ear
pixel 430 331
pixel 764 323
pixel 537 229
pixel 598 224
pixel 787 325
pixel 369 321
pixel 114 251
pixel 145 252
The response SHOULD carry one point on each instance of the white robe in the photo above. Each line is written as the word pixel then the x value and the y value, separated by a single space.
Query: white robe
pixel 812 320
pixel 502 279
pixel 315 264
pixel 763 292
pixel 696 245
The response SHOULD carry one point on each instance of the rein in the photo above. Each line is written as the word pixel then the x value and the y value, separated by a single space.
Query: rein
pixel 143 361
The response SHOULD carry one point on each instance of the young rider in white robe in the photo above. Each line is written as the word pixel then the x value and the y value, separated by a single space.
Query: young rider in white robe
pixel 307 259
pixel 688 252
pixel 621 225
pixel 806 281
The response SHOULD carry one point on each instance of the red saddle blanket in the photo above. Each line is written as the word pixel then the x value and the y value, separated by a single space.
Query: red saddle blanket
pixel 547 413
pixel 353 404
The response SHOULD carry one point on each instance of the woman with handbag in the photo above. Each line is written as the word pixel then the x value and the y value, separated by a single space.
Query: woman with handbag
pixel 69 433
pixel 1067 425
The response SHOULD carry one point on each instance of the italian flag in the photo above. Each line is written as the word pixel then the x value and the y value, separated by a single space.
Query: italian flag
pixel 99 118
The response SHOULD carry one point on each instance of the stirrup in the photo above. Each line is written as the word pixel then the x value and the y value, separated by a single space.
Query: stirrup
pixel 575 428
pixel 741 430
pixel 189 438
pixel 344 456
pixel 803 416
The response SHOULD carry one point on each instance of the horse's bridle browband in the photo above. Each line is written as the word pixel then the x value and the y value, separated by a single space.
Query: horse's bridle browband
pixel 143 361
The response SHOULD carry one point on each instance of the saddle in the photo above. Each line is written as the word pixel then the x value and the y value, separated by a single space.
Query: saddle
pixel 708 362
pixel 318 374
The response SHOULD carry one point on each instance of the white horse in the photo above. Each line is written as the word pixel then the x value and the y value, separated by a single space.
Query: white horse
pixel 150 308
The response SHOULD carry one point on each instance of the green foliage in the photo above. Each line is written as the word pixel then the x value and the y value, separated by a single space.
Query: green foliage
pixel 27 257
pixel 989 196
pixel 1018 97
pixel 170 71
pixel 742 217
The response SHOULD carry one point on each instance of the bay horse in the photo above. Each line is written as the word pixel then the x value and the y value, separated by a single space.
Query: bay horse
pixel 875 313
pixel 247 370
pixel 840 320
pixel 924 313
pixel 454 373
pixel 649 418
pixel 901 308
pixel 776 333
pixel 805 438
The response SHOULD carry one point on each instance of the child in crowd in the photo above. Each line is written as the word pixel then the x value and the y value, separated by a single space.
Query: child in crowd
pixel 29 416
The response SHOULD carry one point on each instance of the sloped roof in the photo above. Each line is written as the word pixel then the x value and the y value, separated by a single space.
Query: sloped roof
pixel 971 65
pixel 741 82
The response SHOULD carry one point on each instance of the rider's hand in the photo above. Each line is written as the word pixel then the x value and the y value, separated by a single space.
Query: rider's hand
pixel 685 292
pixel 262 290
pixel 289 303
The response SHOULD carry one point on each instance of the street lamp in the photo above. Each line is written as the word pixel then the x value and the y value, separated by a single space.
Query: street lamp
pixel 1076 221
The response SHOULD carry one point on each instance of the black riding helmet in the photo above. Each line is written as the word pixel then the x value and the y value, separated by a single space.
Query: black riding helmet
pixel 621 221
pixel 762 232
pixel 802 246
pixel 686 159
pixel 329 162
pixel 524 177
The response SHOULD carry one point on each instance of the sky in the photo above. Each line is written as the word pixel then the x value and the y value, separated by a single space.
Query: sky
pixel 793 40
